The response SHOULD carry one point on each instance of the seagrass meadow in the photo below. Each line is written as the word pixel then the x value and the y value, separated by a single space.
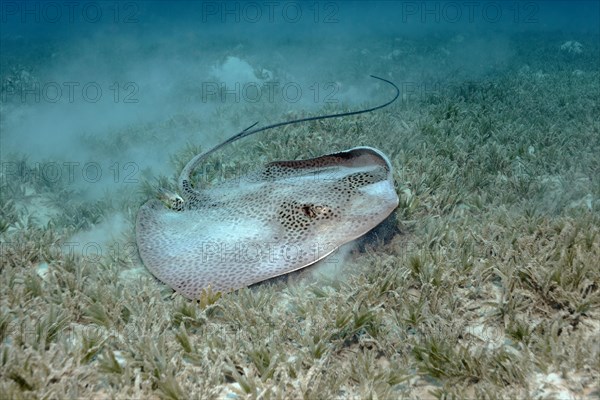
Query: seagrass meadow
pixel 484 283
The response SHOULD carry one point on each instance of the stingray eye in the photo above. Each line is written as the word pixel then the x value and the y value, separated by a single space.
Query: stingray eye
pixel 309 210
pixel 314 211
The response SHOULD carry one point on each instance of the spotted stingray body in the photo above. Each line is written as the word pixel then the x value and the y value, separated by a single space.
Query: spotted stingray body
pixel 279 219
pixel 282 217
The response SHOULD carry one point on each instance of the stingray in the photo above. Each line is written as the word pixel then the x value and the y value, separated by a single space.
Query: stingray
pixel 277 219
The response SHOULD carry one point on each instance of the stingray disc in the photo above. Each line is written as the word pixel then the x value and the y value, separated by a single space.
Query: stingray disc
pixel 283 217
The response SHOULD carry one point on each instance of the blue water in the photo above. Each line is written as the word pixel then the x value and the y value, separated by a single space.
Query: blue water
pixel 289 19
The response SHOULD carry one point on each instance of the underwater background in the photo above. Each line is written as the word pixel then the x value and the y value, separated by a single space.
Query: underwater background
pixel 484 283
